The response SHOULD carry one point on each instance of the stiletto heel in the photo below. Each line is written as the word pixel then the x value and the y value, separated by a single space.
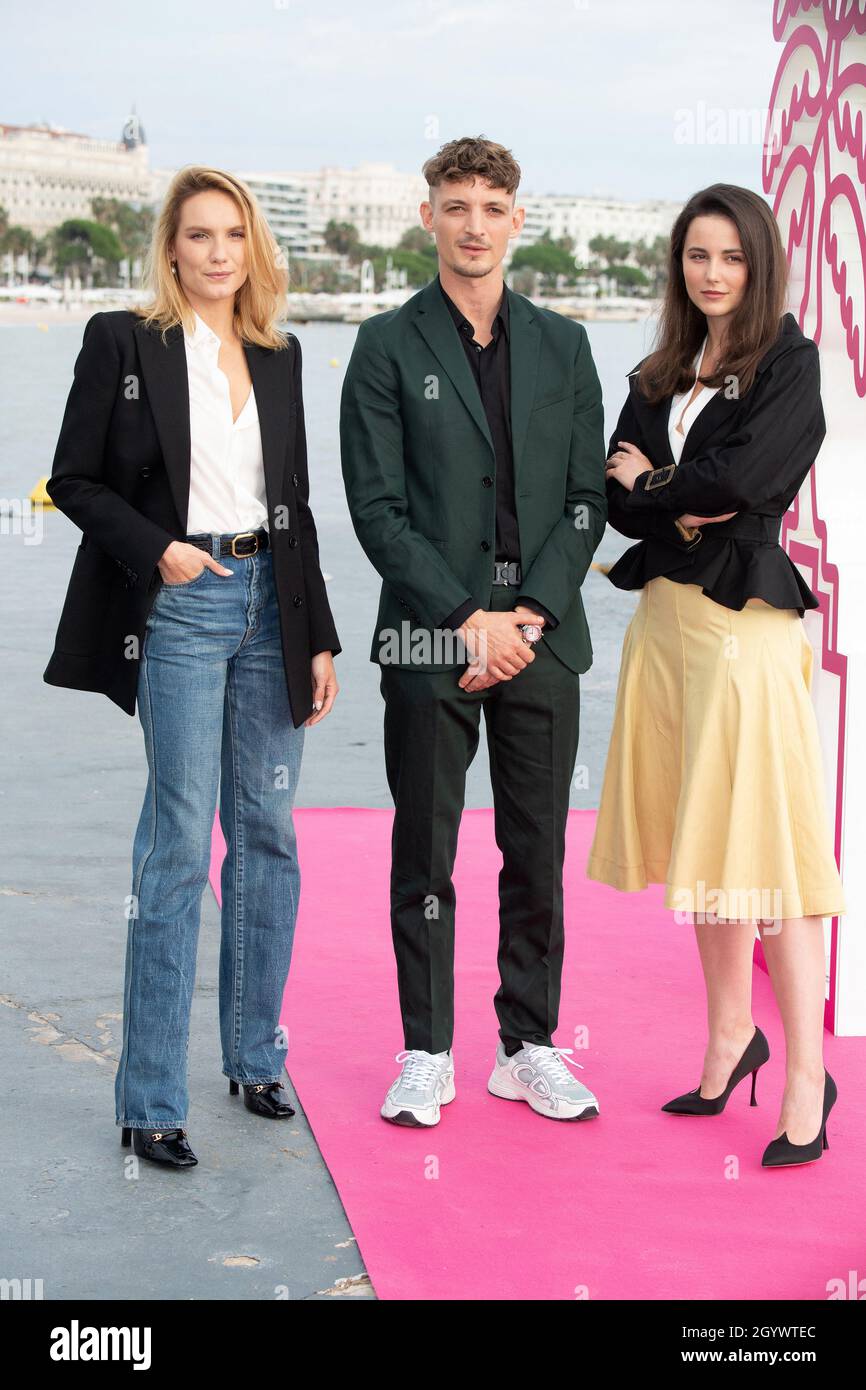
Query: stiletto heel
pixel 693 1103
pixel 233 1087
pixel 125 1137
pixel 781 1153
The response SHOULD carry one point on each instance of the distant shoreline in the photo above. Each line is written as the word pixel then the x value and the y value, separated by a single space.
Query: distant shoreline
pixel 39 312
pixel 321 309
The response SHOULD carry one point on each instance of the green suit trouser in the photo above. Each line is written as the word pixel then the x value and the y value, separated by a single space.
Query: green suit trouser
pixel 431 736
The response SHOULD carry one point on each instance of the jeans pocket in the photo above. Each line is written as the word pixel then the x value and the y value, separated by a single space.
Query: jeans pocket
pixel 188 583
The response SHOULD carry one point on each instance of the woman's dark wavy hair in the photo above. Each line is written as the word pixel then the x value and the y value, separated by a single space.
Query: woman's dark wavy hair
pixel 753 327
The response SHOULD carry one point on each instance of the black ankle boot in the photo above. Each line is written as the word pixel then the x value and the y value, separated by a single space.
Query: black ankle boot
pixel 160 1146
pixel 693 1103
pixel 265 1098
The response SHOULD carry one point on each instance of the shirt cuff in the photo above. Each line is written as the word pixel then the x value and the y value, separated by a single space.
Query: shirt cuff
pixel 459 616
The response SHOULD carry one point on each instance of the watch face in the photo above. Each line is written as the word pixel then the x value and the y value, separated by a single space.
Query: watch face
pixel 532 632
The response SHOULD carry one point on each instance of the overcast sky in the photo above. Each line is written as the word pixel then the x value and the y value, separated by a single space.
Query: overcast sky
pixel 586 93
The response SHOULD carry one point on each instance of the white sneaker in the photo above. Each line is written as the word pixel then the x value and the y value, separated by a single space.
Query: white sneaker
pixel 425 1083
pixel 539 1076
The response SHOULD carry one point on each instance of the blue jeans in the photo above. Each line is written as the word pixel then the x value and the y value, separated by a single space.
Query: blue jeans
pixel 216 716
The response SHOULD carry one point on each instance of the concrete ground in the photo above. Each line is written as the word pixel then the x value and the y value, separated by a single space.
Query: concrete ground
pixel 259 1217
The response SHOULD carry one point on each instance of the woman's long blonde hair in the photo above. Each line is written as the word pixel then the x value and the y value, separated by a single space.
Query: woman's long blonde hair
pixel 260 303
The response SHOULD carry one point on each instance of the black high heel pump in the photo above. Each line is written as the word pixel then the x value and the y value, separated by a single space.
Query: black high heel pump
pixel 781 1153
pixel 266 1098
pixel 693 1103
pixel 160 1146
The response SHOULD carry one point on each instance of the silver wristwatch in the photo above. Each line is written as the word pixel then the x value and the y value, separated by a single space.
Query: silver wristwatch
pixel 531 633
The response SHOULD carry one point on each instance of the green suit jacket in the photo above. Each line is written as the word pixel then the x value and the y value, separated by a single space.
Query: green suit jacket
pixel 416 451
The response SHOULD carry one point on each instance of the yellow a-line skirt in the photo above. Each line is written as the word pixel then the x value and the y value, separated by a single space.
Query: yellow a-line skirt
pixel 713 783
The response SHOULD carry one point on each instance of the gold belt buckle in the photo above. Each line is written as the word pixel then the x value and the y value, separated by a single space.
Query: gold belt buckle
pixel 239 537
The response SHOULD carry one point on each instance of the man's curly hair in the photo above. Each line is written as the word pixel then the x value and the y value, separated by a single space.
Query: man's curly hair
pixel 466 158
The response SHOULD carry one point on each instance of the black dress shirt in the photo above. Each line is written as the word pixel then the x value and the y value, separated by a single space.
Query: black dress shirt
pixel 491 368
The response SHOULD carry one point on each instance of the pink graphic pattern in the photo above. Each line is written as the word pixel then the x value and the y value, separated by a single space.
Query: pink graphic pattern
pixel 815 123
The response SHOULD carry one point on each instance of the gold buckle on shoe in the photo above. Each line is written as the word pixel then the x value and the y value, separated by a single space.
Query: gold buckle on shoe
pixel 241 536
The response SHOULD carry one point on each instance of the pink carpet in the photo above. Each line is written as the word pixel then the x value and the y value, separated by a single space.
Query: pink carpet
pixel 496 1201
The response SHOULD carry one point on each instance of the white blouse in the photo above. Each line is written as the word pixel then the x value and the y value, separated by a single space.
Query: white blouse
pixel 226 467
pixel 685 418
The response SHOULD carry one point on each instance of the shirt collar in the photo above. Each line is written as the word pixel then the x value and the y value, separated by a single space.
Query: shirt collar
pixel 462 322
pixel 201 333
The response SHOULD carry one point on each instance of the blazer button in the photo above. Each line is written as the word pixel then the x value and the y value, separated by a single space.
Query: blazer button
pixel 297 600
pixel 487 481
pixel 144 473
pixel 485 545
pixel 293 541
pixel 296 480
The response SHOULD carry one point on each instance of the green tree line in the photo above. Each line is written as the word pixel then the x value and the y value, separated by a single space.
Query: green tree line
pixel 93 249
pixel 90 248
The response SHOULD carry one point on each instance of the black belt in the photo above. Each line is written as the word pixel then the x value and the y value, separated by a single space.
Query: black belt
pixel 506 572
pixel 251 543
pixel 749 526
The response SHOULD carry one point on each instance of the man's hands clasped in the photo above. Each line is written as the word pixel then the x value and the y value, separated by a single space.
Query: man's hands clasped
pixel 497 649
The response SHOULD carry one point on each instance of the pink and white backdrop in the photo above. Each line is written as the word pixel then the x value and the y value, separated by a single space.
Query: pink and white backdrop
pixel 814 175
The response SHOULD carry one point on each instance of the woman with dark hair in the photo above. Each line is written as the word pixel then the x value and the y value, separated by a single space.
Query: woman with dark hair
pixel 713 783
pixel 197 591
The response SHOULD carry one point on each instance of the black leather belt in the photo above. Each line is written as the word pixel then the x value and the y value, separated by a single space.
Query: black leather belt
pixel 748 526
pixel 506 572
pixel 241 544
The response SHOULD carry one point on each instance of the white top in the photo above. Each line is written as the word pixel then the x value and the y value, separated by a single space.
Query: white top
pixel 226 467
pixel 680 419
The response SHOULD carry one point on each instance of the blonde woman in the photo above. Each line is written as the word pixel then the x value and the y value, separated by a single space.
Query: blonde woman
pixel 197 593
pixel 713 784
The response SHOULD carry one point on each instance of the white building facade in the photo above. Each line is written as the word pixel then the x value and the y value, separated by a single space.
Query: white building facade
pixel 49 175
pixel 581 219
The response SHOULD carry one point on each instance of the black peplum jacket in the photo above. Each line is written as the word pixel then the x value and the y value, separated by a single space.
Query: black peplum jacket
pixel 749 454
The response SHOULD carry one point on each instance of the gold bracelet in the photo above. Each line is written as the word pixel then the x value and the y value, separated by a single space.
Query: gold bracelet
pixel 688 533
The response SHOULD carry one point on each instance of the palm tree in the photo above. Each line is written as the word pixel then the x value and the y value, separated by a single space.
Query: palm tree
pixel 343 239
pixel 79 245
pixel 15 242
pixel 653 258
pixel 132 226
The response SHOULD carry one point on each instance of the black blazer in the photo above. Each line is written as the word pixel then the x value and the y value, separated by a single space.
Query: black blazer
pixel 750 455
pixel 121 473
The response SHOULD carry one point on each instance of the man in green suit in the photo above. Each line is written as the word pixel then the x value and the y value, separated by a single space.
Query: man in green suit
pixel 473 458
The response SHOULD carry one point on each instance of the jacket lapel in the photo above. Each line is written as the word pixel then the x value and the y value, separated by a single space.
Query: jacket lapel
pixel 715 415
pixel 272 384
pixel 165 373
pixel 437 328
pixel 524 337
pixel 163 367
